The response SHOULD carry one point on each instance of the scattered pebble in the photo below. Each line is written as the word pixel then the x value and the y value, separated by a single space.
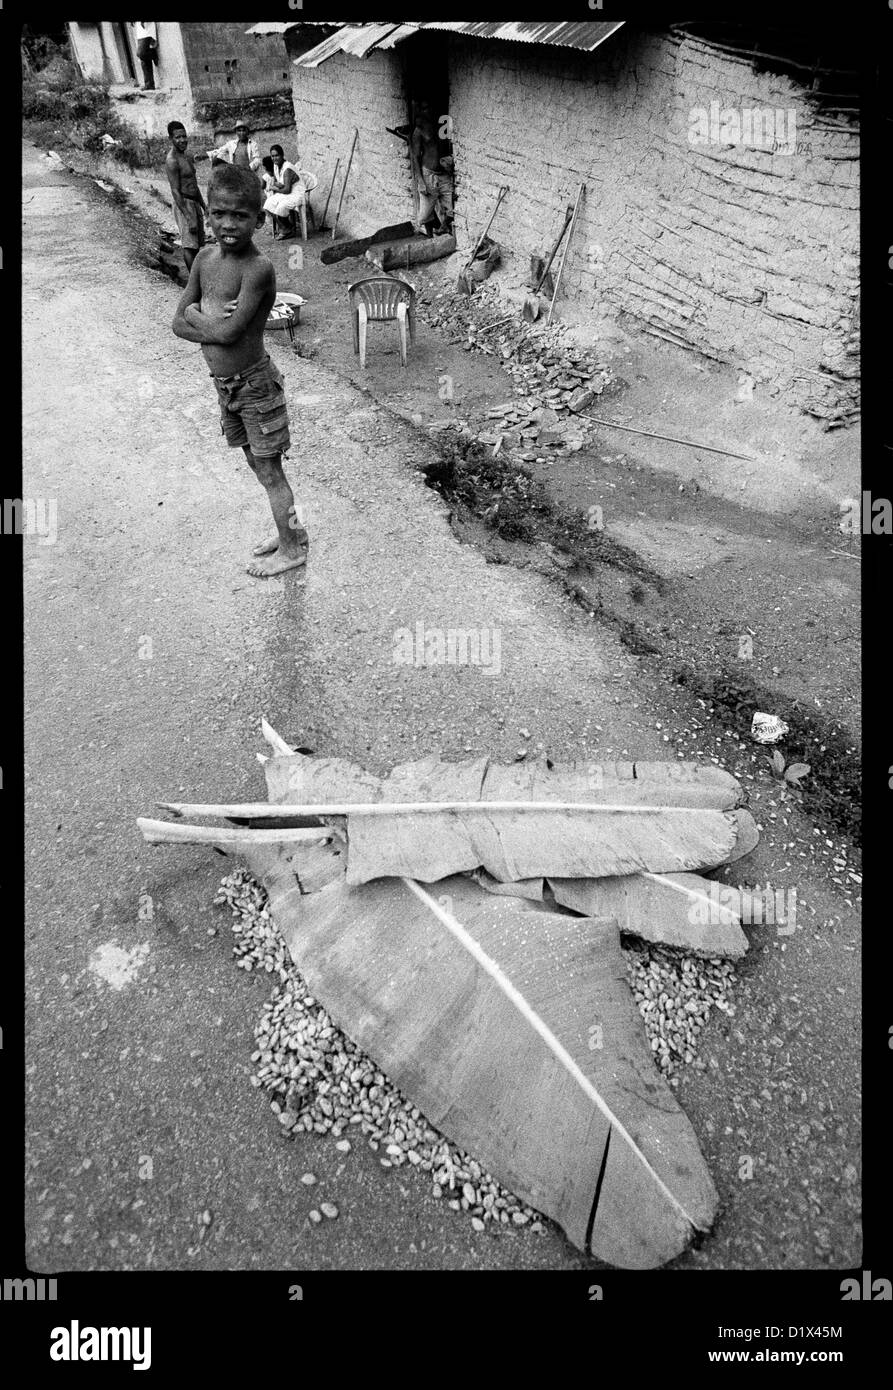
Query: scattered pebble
pixel 676 993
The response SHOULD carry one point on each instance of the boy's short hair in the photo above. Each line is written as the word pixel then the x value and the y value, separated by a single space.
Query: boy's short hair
pixel 175 125
pixel 230 178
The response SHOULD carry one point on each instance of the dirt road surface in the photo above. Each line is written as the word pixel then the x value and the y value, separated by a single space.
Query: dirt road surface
pixel 151 657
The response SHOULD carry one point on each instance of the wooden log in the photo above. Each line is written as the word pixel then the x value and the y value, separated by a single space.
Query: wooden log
pixel 397 255
pixel 355 246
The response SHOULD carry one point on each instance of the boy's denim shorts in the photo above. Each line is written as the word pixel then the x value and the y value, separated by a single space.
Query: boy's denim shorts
pixel 253 409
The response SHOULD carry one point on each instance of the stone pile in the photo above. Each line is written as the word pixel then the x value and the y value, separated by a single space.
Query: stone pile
pixel 554 377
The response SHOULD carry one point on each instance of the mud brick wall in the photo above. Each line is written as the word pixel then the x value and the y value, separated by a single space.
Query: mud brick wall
pixel 226 62
pixel 748 256
pixel 329 101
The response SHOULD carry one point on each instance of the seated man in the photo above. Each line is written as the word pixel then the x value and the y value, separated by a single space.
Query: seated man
pixel 241 151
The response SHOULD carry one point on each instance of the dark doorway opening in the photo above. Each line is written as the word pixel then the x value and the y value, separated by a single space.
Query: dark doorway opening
pixel 430 129
pixel 122 43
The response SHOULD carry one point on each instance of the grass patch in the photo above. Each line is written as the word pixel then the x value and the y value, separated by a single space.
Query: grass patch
pixel 506 496
pixel 63 110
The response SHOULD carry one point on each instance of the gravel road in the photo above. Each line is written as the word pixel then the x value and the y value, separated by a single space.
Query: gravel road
pixel 151 657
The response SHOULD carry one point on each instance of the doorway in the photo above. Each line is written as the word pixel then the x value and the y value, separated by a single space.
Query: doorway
pixel 125 57
pixel 427 90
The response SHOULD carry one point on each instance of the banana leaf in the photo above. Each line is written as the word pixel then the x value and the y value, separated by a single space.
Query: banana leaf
pixel 681 910
pixel 602 819
pixel 516 1034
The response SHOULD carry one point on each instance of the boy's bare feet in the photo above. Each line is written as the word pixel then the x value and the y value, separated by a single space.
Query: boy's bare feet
pixel 269 547
pixel 278 563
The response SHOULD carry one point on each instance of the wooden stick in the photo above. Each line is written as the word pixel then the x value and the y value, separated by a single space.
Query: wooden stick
pixel 353 144
pixel 671 439
pixel 322 222
pixel 567 246
pixel 503 189
pixel 276 741
pixel 416 176
pixel 159 832
pixel 260 810
pixel 568 218
pixel 495 324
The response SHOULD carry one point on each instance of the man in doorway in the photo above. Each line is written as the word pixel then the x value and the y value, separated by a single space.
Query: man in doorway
pixel 241 151
pixel 189 205
pixel 435 172
pixel 145 33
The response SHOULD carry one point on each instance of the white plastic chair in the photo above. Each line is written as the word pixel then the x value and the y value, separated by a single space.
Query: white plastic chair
pixel 381 300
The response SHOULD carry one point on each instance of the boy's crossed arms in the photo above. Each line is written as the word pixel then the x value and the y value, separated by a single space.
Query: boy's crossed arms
pixel 224 308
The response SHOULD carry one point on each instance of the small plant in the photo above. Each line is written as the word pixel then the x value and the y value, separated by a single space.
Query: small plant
pixel 792 773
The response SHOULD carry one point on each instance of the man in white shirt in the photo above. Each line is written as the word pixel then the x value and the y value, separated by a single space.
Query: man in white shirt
pixel 146 36
pixel 241 151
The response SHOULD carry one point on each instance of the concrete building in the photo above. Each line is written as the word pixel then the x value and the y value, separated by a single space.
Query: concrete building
pixel 720 164
pixel 207 76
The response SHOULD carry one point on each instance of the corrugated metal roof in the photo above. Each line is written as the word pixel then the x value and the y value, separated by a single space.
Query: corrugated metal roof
pixel 402 32
pixel 357 39
pixel 270 28
pixel 584 36
pixel 360 39
pixel 294 24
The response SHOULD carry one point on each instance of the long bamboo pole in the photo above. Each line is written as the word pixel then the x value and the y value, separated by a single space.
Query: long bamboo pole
pixel 568 218
pixel 322 222
pixel 670 438
pixel 503 190
pixel 567 247
pixel 261 810
pixel 353 145
pixel 157 832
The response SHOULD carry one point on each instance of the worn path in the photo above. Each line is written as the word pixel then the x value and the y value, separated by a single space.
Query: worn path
pixel 150 657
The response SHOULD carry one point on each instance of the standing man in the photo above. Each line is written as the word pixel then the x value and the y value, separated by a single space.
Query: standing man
pixel 189 205
pixel 146 36
pixel 436 191
pixel 242 151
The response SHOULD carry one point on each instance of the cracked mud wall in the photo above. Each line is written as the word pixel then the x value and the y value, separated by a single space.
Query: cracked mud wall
pixel 329 101
pixel 748 256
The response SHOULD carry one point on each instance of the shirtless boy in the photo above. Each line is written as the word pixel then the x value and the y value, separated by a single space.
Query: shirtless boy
pixel 224 308
pixel 189 205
